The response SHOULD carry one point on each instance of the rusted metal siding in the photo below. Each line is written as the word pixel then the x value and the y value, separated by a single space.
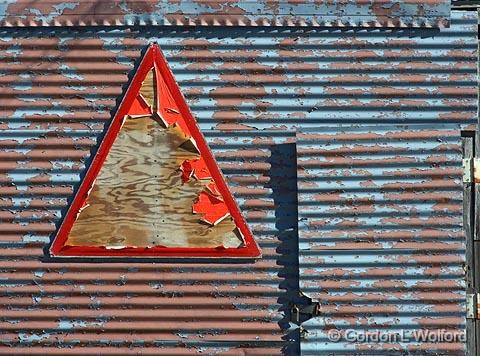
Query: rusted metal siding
pixel 250 88
pixel 364 13
pixel 381 239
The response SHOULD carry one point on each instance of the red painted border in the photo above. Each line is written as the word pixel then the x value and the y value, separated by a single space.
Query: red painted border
pixel 153 57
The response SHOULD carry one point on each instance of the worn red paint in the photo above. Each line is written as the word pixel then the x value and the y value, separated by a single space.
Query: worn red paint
pixel 210 202
pixel 196 168
pixel 140 107
pixel 172 109
pixel 212 208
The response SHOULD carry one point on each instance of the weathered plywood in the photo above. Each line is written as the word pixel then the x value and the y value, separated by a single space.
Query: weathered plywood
pixel 148 89
pixel 139 199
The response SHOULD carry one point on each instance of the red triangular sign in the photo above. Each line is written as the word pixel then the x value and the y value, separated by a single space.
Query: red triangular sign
pixel 153 188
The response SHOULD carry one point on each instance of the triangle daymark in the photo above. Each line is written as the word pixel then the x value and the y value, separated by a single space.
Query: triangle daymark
pixel 153 188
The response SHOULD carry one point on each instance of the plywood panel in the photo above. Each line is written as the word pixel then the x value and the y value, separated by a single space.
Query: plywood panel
pixel 139 198
pixel 148 89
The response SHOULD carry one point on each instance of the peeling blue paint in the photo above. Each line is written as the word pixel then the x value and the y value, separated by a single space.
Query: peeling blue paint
pixel 39 273
pixel 29 238
pixel 156 285
pixel 4 7
pixel 79 88
pixel 70 72
pixel 31 338
pixel 14 321
pixel 66 5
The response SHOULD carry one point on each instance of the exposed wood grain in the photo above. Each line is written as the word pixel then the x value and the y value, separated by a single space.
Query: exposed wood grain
pixel 148 90
pixel 139 199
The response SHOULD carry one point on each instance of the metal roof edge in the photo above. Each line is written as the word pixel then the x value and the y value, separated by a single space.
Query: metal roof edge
pixel 229 21
pixel 358 13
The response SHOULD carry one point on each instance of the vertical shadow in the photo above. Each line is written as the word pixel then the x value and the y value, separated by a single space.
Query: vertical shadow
pixel 283 182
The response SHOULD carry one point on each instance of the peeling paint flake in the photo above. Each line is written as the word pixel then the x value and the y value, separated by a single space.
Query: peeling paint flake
pixel 32 338
pixel 69 72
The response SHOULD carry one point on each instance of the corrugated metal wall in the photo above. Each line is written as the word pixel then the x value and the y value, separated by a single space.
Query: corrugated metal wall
pixel 369 13
pixel 252 87
pixel 382 245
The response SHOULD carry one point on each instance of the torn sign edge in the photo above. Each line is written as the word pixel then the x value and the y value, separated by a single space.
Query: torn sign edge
pixel 153 58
